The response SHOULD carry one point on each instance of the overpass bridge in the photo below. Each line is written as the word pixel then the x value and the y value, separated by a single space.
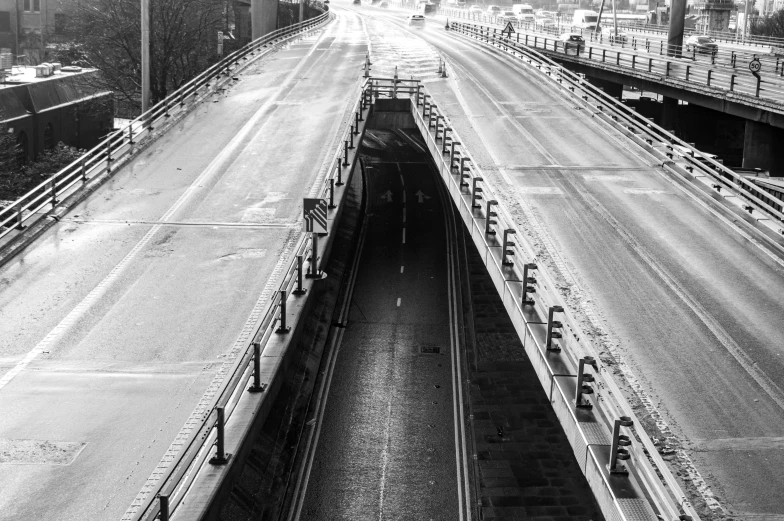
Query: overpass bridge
pixel 122 357
pixel 721 82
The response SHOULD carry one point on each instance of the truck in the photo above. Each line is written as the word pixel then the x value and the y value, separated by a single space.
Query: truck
pixel 585 19
pixel 523 12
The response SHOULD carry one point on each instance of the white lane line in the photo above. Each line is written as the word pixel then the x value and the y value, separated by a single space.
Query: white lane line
pixel 401 269
pixel 404 235
pixel 398 301
pixel 404 214
pixel 404 197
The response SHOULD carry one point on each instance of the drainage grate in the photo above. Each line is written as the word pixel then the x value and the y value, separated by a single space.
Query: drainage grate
pixel 430 349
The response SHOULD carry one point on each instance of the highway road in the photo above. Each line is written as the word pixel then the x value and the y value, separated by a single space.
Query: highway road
pixel 685 306
pixel 121 319
pixel 388 445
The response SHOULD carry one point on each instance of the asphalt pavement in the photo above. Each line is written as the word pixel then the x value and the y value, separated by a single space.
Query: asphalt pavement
pixel 115 325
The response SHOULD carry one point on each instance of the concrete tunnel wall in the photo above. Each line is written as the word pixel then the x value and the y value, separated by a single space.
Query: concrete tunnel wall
pixel 263 17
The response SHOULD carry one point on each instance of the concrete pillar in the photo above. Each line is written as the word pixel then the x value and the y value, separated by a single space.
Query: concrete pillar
pixel 762 148
pixel 263 17
pixel 669 118
pixel 675 33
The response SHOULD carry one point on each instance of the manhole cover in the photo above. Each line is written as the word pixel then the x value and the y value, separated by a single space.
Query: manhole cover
pixel 430 349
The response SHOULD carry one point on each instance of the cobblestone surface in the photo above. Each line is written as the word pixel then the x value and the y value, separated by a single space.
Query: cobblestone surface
pixel 527 470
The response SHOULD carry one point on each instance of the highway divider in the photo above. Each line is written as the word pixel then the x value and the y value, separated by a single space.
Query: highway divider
pixel 52 195
pixel 623 467
pixel 191 484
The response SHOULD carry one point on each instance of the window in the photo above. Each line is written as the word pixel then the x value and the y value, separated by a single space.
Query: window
pixel 5 21
pixel 32 6
pixel 49 136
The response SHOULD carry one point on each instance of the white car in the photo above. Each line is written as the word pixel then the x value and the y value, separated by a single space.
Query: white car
pixel 416 20
pixel 508 16
pixel 475 9
pixel 494 10
pixel 608 32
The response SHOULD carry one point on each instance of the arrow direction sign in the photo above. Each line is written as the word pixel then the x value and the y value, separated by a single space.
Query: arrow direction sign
pixel 388 196
pixel 315 213
pixel 508 30
pixel 421 197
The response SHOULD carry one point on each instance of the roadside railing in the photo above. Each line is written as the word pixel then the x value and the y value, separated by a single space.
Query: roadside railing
pixel 651 60
pixel 562 360
pixel 641 129
pixel 162 501
pixel 104 157
pixel 722 36
pixel 771 67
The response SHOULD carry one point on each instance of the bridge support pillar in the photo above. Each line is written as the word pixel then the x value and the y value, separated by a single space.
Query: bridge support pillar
pixel 762 148
pixel 669 113
pixel 263 17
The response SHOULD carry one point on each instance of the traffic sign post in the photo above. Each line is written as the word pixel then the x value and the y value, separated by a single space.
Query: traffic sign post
pixel 315 214
pixel 508 30
pixel 755 65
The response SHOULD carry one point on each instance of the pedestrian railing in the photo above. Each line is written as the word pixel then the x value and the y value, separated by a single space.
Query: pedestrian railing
pixel 641 129
pixel 104 158
pixel 725 70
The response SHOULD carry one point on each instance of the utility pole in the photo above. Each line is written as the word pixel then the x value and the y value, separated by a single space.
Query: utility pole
pixel 145 55
pixel 745 19
pixel 615 22
pixel 301 10
pixel 599 19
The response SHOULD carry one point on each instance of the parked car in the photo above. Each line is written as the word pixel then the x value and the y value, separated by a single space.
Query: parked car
pixel 475 9
pixel 572 41
pixel 701 43
pixel 508 16
pixel 544 23
pixel 493 10
pixel 383 4
pixel 608 32
pixel 357 2
pixel 427 8
pixel 416 20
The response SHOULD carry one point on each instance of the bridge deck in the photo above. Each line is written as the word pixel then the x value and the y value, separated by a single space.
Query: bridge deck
pixel 116 320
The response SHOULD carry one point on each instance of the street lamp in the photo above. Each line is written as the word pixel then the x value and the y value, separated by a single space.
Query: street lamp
pixel 145 55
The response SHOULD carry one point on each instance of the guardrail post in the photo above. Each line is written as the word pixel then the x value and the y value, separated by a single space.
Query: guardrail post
pixel 340 173
pixel 257 387
pixel 345 153
pixel 528 278
pixel 83 169
pixel 551 325
pixel 732 60
pixel 476 193
pixel 182 98
pixel 314 273
pixel 452 155
pixel 619 440
pixel 489 214
pixel 759 82
pixel 53 193
pixel 583 379
pixel 732 82
pixel 416 95
pixel 282 329
pixel 463 174
pixel 19 218
pixel 438 125
pixel 300 290
pixel 163 500
pixel 709 76
pixel 661 48
pixel 166 107
pixel 688 70
pixel 634 59
pixel 220 458
pixel 604 54
pixel 504 251
pixel 130 133
pixel 331 193
pixel 351 137
pixel 445 138
pixel 109 155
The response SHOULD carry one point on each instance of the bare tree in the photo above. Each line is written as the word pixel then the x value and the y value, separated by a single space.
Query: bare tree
pixel 772 25
pixel 183 42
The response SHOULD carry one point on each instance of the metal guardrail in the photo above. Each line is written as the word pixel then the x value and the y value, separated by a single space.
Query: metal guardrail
pixel 645 132
pixel 181 472
pixel 652 57
pixel 561 359
pixel 119 144
pixel 722 36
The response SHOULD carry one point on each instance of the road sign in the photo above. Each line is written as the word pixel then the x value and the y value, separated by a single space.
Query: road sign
pixel 315 212
pixel 755 65
pixel 508 30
